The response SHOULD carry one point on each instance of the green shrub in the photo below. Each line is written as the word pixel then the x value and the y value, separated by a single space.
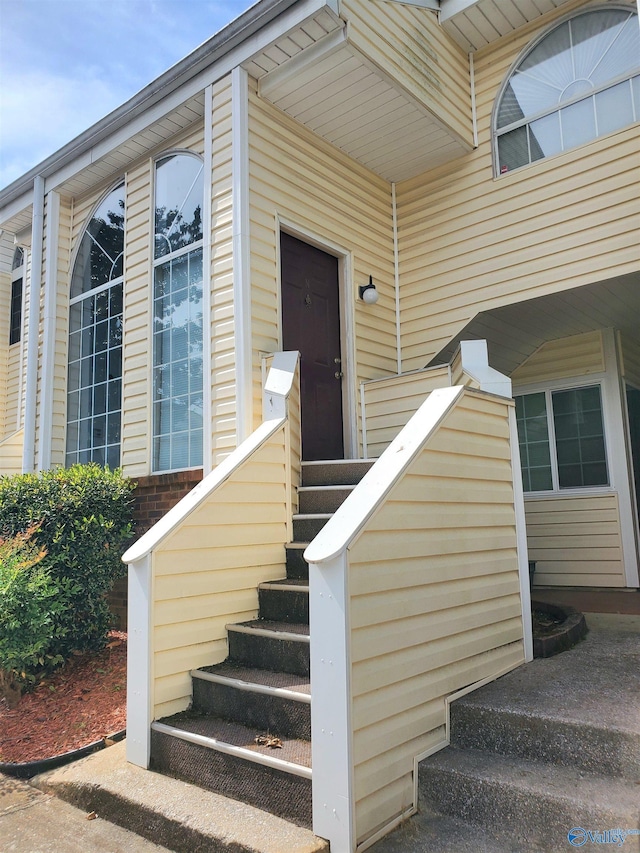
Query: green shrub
pixel 84 518
pixel 29 609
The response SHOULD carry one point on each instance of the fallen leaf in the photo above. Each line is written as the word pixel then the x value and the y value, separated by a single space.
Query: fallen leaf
pixel 92 816
pixel 269 740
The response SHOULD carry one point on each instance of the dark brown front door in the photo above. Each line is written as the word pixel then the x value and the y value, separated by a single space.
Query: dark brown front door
pixel 311 325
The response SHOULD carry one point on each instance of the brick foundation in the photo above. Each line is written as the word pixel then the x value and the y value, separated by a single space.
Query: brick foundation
pixel 153 497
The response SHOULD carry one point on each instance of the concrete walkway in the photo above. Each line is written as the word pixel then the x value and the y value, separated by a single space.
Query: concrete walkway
pixel 181 817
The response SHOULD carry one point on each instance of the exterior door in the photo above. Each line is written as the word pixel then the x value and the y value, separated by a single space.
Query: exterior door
pixel 311 325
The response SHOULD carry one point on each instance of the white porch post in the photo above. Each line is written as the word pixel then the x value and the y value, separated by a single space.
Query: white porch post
pixel 331 739
pixel 49 332
pixel 139 662
pixel 31 392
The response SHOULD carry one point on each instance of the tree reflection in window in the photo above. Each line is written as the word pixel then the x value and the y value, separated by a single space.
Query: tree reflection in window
pixel 94 387
pixel 177 314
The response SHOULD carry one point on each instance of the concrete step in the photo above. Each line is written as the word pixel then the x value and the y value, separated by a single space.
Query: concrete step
pixel 278 646
pixel 224 757
pixel 284 600
pixel 429 832
pixel 338 472
pixel 531 803
pixel 313 499
pixel 545 736
pixel 258 698
pixel 173 813
pixel 307 527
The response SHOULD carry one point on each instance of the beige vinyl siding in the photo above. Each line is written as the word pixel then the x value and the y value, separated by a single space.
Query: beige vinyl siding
pixel 629 348
pixel 206 573
pixel 578 355
pixel 469 242
pixel 223 371
pixel 303 180
pixel 11 454
pixel 413 49
pixel 62 283
pixel 434 600
pixel 136 338
pixel 390 402
pixel 575 540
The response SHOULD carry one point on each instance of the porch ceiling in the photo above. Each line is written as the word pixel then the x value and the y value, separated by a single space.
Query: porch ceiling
pixel 335 91
pixel 473 24
pixel 515 331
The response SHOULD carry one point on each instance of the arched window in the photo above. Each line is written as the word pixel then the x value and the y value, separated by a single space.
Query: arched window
pixel 579 81
pixel 15 309
pixel 94 388
pixel 177 313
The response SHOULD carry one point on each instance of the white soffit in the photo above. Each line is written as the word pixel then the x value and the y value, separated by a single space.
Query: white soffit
pixel 515 331
pixel 473 24
pixel 332 89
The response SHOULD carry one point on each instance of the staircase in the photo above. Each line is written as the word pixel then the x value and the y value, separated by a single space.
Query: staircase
pixel 550 749
pixel 248 732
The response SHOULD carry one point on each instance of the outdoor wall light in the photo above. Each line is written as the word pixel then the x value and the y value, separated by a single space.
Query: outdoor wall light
pixel 368 292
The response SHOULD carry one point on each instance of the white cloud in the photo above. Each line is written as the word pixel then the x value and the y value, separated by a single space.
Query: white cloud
pixel 43 111
pixel 66 64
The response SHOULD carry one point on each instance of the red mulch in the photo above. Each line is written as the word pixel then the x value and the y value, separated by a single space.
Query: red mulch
pixel 81 702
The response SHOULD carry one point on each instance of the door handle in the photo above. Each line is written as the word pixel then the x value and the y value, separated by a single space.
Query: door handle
pixel 338 374
pixel 337 361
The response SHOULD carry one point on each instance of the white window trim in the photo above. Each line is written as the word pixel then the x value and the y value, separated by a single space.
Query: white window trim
pixel 568 384
pixel 530 46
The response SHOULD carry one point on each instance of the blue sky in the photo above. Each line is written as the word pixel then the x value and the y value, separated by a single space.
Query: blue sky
pixel 64 64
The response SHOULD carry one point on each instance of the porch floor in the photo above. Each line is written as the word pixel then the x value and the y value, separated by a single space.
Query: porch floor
pixel 623 601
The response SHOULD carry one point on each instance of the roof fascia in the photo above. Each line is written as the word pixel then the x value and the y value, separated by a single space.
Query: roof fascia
pixel 216 57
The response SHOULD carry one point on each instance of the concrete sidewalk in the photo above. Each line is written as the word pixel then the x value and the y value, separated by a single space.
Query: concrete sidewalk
pixel 34 822
pixel 182 817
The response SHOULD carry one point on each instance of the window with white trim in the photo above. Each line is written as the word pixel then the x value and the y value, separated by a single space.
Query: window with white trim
pixel 561 438
pixel 579 81
pixel 15 308
pixel 177 314
pixel 94 387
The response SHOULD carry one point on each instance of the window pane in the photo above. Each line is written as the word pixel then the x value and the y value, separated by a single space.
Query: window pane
pixel 177 361
pixel 533 434
pixel 99 258
pixel 544 135
pixel 513 150
pixel 614 108
pixel 580 448
pixel 578 123
pixel 179 192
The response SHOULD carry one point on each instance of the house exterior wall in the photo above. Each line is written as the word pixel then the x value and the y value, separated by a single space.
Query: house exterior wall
pixel 389 403
pixel 470 241
pixel 576 537
pixel 412 47
pixel 304 185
